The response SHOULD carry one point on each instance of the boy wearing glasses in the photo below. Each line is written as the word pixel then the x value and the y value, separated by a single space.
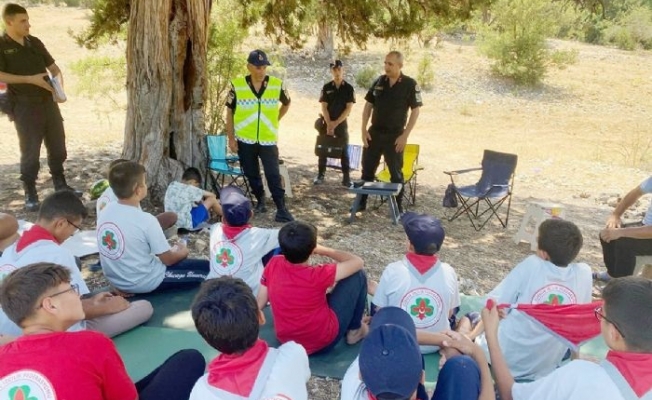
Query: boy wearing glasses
pixel 548 277
pixel 626 373
pixel 59 218
pixel 49 363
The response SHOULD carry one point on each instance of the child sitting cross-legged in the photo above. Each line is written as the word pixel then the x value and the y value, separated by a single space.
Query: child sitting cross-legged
pixel 191 204
pixel 297 291
pixel 47 362
pixel 227 317
pixel 135 256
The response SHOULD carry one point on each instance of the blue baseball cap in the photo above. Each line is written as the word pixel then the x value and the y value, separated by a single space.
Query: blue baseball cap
pixel 236 207
pixel 390 359
pixel 258 58
pixel 423 231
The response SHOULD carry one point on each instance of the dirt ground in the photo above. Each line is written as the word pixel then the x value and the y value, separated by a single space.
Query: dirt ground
pixel 583 139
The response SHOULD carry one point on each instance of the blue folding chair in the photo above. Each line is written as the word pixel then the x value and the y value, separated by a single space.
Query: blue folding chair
pixel 493 189
pixel 221 166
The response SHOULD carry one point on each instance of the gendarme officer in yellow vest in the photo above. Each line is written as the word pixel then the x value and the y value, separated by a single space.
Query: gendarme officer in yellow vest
pixel 252 121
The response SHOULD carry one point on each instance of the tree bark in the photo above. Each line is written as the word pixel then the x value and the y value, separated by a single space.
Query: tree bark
pixel 325 42
pixel 166 61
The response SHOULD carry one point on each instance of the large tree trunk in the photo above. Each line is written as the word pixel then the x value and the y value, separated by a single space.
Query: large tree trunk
pixel 325 42
pixel 166 59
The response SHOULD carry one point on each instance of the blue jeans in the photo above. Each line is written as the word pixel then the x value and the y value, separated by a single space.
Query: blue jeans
pixel 348 301
pixel 185 274
pixel 249 155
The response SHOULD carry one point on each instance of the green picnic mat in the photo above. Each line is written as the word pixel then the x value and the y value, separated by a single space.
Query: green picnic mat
pixel 171 328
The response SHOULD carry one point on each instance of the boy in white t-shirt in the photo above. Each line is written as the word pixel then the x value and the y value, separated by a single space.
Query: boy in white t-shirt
pixel 236 248
pixel 135 256
pixel 547 277
pixel 227 317
pixel 626 325
pixel 59 218
pixel 191 204
pixel 421 284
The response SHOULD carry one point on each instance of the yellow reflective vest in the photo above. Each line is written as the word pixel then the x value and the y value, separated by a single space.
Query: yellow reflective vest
pixel 256 120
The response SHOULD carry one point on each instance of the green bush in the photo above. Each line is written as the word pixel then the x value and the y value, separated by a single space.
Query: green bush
pixel 425 73
pixel 632 30
pixel 516 38
pixel 562 58
pixel 365 77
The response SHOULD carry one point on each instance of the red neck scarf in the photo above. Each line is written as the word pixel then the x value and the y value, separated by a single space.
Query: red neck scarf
pixel 423 264
pixel 237 373
pixel 636 368
pixel 232 231
pixel 33 235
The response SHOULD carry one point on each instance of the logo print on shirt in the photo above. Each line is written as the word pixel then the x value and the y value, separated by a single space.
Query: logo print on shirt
pixel 111 241
pixel 424 305
pixel 26 385
pixel 6 270
pixel 554 294
pixel 228 258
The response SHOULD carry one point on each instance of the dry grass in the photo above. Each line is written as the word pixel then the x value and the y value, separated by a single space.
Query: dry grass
pixel 581 140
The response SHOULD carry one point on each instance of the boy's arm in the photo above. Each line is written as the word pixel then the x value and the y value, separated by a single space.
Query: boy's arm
pixel 103 304
pixel 262 297
pixel 177 253
pixel 614 220
pixel 462 344
pixel 347 263
pixel 425 338
pixel 504 378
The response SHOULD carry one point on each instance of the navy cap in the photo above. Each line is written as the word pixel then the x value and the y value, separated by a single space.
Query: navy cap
pixel 236 207
pixel 423 230
pixel 336 64
pixel 258 58
pixel 390 359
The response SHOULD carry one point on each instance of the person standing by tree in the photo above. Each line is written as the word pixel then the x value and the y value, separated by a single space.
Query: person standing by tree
pixel 24 66
pixel 252 120
pixel 337 98
pixel 388 101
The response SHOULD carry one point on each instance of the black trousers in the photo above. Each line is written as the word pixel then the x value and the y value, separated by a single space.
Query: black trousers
pixel 174 379
pixel 39 120
pixel 620 255
pixel 249 155
pixel 346 168
pixel 382 144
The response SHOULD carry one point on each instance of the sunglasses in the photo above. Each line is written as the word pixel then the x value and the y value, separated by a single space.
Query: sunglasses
pixel 600 316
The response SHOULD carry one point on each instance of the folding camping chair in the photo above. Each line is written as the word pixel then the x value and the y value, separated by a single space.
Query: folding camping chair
pixel 221 165
pixel 410 169
pixel 493 189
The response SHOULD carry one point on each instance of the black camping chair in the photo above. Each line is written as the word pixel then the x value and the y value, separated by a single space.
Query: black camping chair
pixel 493 189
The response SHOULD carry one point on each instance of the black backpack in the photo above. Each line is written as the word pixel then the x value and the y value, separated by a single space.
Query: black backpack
pixel 450 199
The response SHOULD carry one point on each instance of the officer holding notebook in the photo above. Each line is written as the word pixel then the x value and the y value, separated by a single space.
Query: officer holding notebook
pixel 30 71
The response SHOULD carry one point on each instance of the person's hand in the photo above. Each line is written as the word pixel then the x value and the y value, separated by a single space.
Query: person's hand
pixel 502 313
pixel 609 234
pixel 490 319
pixel 109 303
pixel 458 342
pixel 330 128
pixel 613 221
pixel 366 137
pixel 233 145
pixel 39 80
pixel 319 249
pixel 400 143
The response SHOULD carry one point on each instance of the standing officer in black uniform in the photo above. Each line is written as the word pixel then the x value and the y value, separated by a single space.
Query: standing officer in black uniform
pixel 24 63
pixel 390 97
pixel 337 98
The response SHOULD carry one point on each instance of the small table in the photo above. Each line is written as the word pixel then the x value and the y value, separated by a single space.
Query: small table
pixel 389 190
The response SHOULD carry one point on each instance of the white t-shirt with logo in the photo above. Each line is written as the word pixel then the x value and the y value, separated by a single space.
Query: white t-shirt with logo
pixel 180 199
pixel 108 196
pixel 39 251
pixel 352 387
pixel 129 240
pixel 646 187
pixel 428 298
pixel 578 379
pixel 242 256
pixel 532 352
pixel 286 379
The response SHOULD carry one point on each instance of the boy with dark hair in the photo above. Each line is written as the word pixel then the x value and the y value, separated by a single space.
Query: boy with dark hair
pixel 49 363
pixel 165 219
pixel 191 204
pixel 421 284
pixel 626 373
pixel 303 309
pixel 390 364
pixel 237 248
pixel 548 277
pixel 227 317
pixel 135 256
pixel 59 218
